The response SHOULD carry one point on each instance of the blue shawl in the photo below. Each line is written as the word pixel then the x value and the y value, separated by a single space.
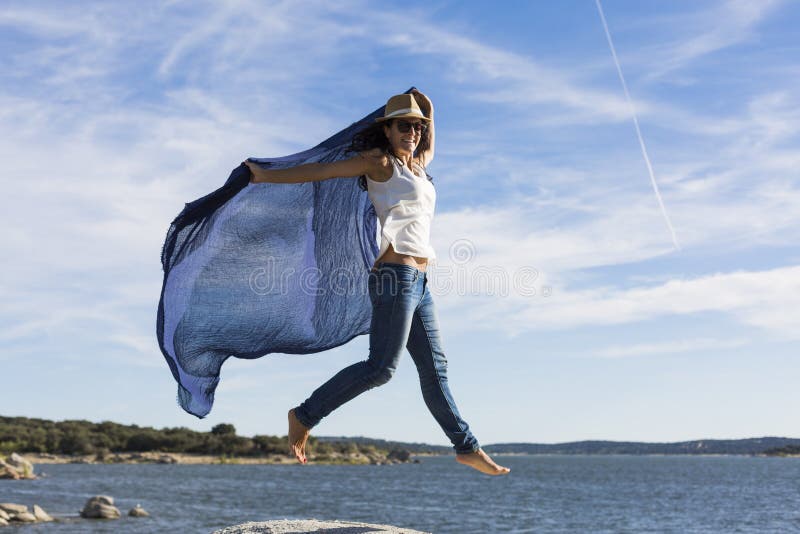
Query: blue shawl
pixel 252 269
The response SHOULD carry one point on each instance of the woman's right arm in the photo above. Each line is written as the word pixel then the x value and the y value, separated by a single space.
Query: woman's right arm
pixel 312 172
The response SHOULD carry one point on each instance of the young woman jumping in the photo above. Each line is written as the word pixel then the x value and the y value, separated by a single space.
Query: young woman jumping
pixel 391 157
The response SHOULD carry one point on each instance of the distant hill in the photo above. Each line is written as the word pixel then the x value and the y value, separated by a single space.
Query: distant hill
pixel 704 446
pixel 766 445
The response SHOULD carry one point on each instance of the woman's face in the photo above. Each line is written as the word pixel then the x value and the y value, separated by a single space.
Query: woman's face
pixel 404 135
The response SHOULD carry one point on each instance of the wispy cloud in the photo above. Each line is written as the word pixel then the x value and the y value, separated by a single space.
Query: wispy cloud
pixel 761 299
pixel 698 34
pixel 670 347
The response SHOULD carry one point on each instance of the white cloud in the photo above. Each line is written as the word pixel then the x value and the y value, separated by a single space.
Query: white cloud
pixel 670 347
pixel 766 299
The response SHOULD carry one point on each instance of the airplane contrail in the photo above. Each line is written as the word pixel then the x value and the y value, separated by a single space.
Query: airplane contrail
pixel 636 124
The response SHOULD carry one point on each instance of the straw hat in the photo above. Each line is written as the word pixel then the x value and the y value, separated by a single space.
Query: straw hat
pixel 402 107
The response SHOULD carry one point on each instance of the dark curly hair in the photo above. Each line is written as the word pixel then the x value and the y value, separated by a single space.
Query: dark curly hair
pixel 373 137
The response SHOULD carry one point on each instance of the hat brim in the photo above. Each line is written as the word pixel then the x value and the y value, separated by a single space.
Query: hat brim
pixel 404 116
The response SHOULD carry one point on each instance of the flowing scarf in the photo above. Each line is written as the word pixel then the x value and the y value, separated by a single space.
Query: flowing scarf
pixel 252 269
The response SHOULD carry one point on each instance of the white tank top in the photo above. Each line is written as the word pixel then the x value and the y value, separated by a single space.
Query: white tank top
pixel 404 205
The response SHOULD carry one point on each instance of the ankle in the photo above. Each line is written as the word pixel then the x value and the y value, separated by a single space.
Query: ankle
pixel 298 417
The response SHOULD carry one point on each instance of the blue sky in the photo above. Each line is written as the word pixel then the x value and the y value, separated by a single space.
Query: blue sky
pixel 113 114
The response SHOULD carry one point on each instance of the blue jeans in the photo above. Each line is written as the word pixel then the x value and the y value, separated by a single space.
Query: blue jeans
pixel 402 316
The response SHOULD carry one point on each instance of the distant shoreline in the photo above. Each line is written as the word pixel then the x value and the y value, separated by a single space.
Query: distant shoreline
pixel 149 458
pixel 74 441
pixel 170 458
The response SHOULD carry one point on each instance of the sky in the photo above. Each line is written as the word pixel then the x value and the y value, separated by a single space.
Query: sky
pixel 114 114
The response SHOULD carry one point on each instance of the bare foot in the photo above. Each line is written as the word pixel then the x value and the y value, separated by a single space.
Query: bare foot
pixel 298 435
pixel 480 460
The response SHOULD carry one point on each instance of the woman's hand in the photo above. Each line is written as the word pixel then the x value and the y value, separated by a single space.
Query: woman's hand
pixel 424 103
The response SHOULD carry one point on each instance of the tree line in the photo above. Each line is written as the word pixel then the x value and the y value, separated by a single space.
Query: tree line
pixel 78 437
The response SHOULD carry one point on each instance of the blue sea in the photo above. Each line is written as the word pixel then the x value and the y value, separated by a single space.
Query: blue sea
pixel 584 494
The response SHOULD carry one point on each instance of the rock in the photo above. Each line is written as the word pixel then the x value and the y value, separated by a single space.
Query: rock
pixel 167 459
pixel 100 507
pixel 3 514
pixel 18 470
pixel 100 511
pixel 12 508
pixel 20 464
pixel 401 455
pixel 286 526
pixel 24 517
pixel 138 511
pixel 41 515
pixel 3 522
pixel 8 472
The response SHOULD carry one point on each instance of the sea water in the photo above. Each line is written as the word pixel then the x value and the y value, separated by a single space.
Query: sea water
pixel 680 494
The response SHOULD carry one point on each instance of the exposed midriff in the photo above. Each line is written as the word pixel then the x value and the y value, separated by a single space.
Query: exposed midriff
pixel 390 256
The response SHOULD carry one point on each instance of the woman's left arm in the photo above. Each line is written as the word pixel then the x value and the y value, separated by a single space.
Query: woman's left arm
pixel 426 106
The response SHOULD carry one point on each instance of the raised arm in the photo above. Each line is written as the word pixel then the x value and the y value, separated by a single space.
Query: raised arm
pixel 312 172
pixel 426 106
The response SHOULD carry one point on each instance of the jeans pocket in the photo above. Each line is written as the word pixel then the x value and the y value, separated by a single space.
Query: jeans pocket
pixel 386 285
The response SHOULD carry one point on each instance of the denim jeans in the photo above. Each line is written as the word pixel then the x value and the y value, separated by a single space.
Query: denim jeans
pixel 402 316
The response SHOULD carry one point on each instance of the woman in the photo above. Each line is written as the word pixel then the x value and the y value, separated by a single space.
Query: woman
pixel 391 156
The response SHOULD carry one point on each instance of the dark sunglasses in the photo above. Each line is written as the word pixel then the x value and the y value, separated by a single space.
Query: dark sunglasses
pixel 405 127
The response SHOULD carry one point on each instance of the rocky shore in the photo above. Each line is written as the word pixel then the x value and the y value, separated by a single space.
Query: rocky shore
pixel 97 507
pixel 358 458
pixel 19 513
pixel 302 526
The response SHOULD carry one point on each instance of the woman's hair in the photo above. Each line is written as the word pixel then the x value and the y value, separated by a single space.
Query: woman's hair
pixel 373 137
